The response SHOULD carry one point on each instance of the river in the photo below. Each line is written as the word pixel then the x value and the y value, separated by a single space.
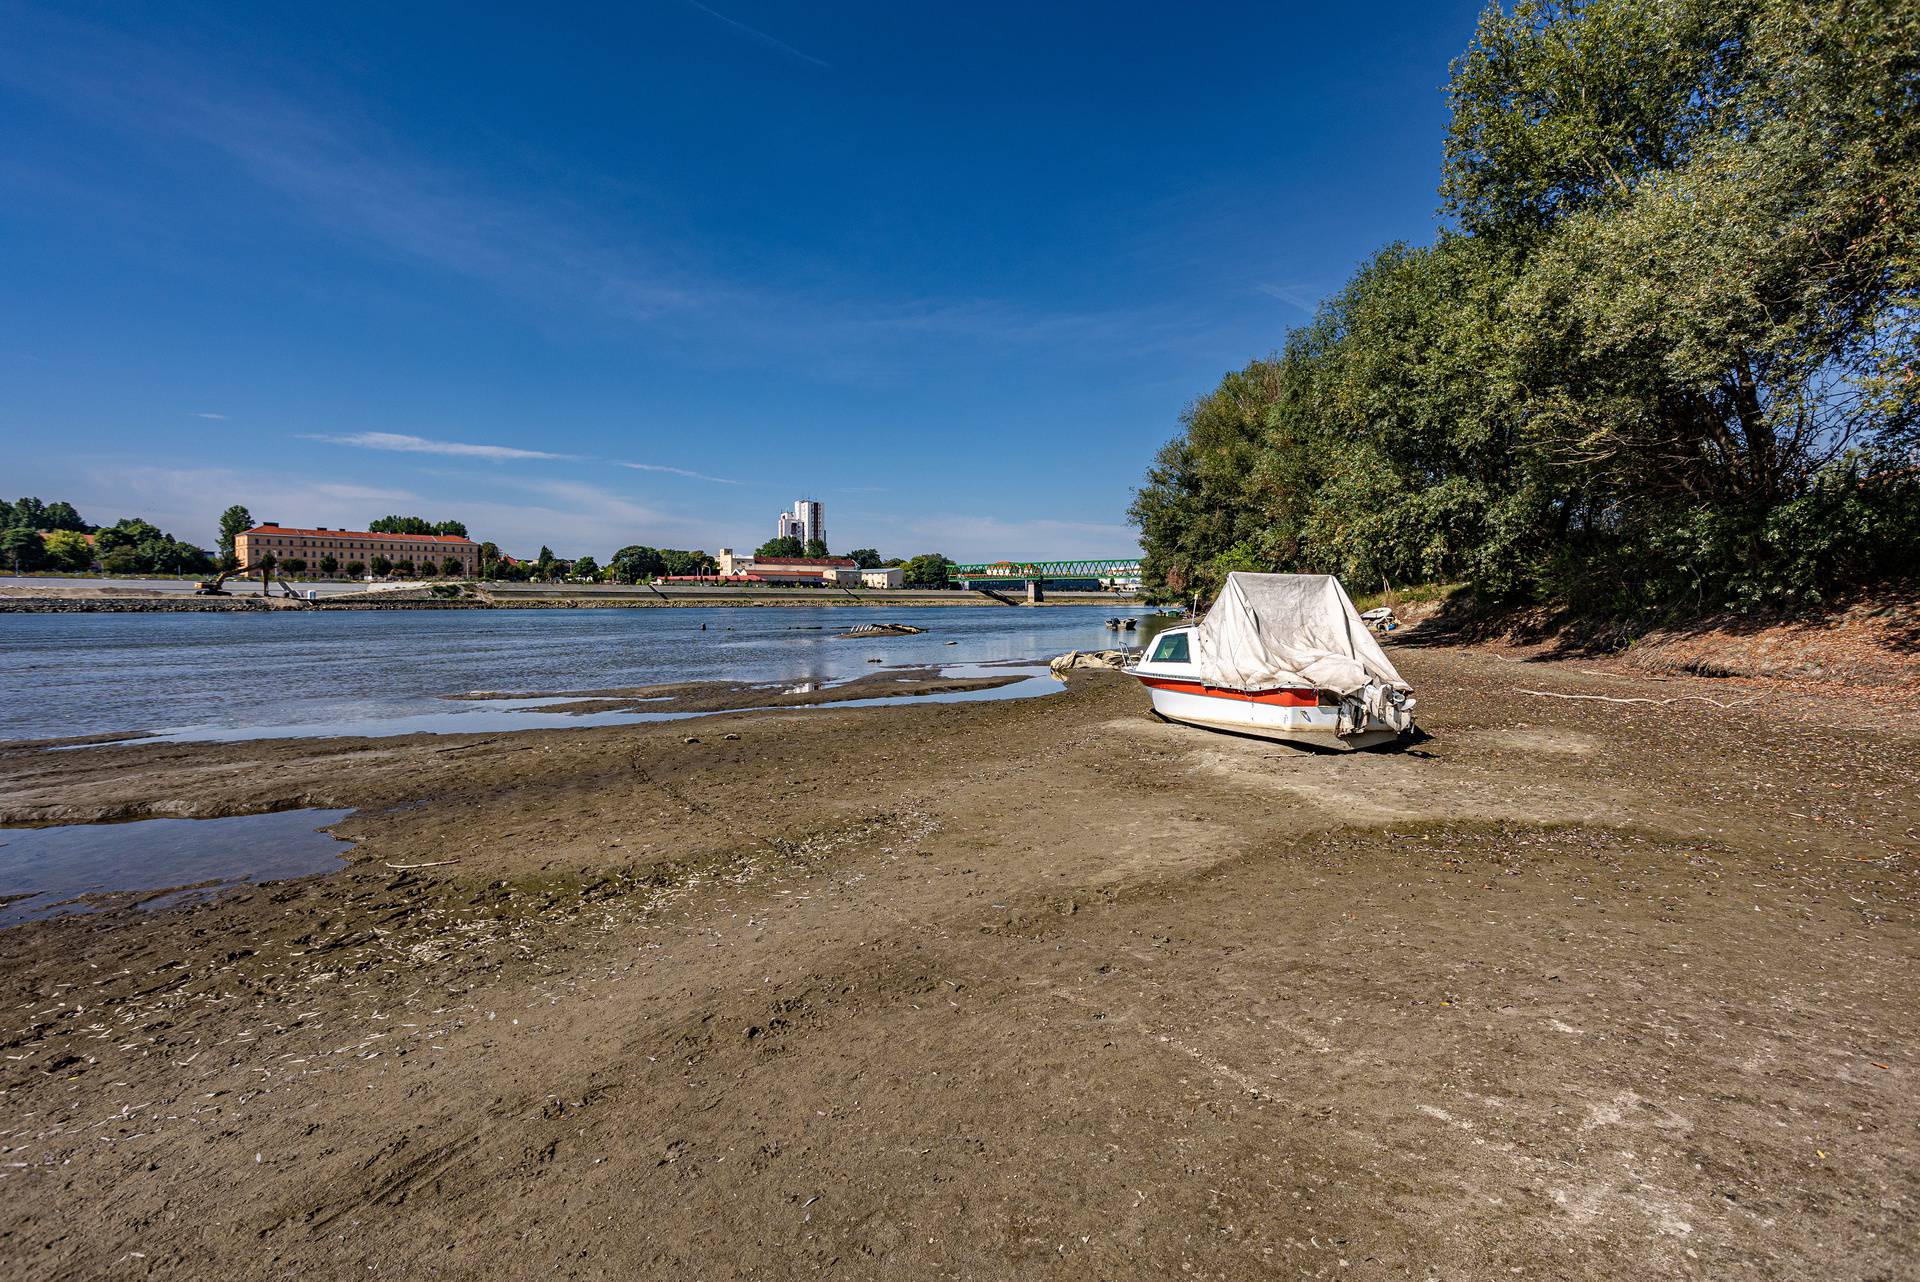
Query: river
pixel 231 675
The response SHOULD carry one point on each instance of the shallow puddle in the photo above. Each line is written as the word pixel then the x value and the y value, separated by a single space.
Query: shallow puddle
pixel 86 867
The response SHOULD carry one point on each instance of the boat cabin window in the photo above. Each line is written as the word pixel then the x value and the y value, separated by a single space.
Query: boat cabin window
pixel 1171 649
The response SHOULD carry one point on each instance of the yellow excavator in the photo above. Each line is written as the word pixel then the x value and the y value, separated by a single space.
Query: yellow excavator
pixel 268 577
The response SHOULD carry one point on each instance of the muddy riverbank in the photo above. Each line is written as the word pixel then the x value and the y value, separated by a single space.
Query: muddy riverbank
pixel 1035 988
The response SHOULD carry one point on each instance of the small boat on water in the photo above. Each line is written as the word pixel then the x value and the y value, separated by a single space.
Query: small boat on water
pixel 1122 624
pixel 1281 656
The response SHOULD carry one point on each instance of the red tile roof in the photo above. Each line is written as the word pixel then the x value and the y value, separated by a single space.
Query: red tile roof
pixel 357 534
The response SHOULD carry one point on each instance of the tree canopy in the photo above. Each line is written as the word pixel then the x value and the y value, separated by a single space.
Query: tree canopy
pixel 1661 360
pixel 416 525
pixel 32 514
pixel 785 545
pixel 928 570
pixel 233 522
pixel 866 558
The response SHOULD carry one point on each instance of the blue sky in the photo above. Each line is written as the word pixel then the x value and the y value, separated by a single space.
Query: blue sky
pixel 646 273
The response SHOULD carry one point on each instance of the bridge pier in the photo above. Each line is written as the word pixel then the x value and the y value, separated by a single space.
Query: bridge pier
pixel 1035 593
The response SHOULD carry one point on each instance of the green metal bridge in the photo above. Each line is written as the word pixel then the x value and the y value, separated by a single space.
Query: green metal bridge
pixel 1021 571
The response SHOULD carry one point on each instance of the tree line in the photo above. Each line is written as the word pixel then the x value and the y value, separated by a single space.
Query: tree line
pixel 53 536
pixel 1662 359
pixel 35 535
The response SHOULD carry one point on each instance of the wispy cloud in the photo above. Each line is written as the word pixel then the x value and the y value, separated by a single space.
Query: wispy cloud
pixel 1300 296
pixel 343 176
pixel 185 501
pixel 218 418
pixel 679 471
pixel 364 493
pixel 986 538
pixel 761 37
pixel 574 518
pixel 403 444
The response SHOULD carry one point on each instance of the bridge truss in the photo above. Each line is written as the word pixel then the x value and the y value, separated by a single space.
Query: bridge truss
pixel 1048 570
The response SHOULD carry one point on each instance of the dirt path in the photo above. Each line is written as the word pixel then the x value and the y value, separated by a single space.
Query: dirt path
pixel 1043 988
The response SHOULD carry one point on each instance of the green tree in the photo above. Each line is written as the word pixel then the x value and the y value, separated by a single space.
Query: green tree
pixel 785 546
pixel 382 566
pixel 636 564
pixel 677 562
pixel 400 525
pixel 866 558
pixel 815 548
pixel 329 565
pixel 23 549
pixel 267 563
pixel 402 567
pixel 356 569
pixel 295 565
pixel 1669 336
pixel 928 570
pixel 69 550
pixel 586 568
pixel 62 516
pixel 232 522
pixel 28 514
pixel 456 528
pixel 450 566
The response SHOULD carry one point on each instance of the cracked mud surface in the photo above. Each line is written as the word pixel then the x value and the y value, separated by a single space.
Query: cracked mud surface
pixel 1026 989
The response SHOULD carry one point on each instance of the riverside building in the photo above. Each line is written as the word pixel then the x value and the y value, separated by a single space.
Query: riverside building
pixel 314 545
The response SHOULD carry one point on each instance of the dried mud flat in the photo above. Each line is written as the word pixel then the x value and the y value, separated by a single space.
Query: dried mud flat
pixel 1039 988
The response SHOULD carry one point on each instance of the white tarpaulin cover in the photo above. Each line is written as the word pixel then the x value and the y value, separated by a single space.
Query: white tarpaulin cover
pixel 1291 631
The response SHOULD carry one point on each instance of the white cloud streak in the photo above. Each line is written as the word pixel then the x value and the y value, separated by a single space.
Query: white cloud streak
pixel 760 37
pixel 1299 296
pixel 401 443
pixel 680 471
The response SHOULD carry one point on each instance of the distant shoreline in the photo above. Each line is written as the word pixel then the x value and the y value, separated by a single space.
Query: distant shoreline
pixel 184 603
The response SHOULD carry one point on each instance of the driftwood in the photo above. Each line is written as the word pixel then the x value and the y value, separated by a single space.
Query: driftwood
pixel 438 863
pixel 1607 698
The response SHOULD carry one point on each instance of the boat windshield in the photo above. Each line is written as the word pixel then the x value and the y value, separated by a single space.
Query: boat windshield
pixel 1172 648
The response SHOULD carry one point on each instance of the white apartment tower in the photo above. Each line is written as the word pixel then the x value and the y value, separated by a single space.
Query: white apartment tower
pixel 807 521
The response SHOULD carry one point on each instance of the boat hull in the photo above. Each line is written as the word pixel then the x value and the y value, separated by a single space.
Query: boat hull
pixel 1287 716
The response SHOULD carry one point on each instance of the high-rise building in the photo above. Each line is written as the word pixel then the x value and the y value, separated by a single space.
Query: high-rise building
pixel 806 522
pixel 812 515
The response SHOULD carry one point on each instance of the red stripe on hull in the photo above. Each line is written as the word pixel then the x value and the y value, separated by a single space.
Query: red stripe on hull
pixel 1280 698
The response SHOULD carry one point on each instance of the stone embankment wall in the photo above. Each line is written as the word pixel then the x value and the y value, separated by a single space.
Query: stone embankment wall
pixel 133 605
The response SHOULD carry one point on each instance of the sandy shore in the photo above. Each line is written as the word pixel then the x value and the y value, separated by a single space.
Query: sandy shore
pixel 1038 988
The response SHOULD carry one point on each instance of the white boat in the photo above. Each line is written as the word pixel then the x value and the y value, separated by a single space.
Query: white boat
pixel 1280 656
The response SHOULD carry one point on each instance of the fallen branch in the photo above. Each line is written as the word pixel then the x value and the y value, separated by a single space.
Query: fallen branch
pixel 1607 698
pixel 462 747
pixel 438 863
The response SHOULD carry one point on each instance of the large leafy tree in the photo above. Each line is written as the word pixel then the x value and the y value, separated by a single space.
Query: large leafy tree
pixel 232 522
pixel 22 549
pixel 928 570
pixel 69 550
pixel 785 545
pixel 1664 358
pixel 636 564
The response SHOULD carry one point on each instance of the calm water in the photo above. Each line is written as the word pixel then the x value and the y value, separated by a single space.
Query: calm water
pixel 200 676
pixel 47 867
